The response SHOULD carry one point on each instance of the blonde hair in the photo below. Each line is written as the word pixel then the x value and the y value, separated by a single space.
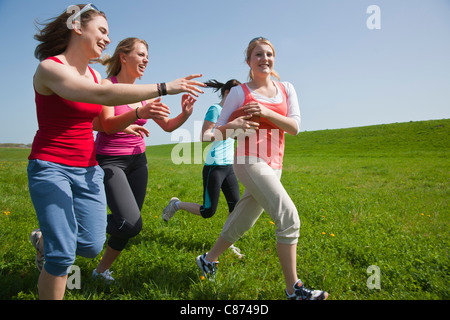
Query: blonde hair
pixel 125 46
pixel 253 43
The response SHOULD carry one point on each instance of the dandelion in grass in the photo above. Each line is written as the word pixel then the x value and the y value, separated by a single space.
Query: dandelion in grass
pixel 202 278
pixel 6 212
pixel 332 234
pixel 272 222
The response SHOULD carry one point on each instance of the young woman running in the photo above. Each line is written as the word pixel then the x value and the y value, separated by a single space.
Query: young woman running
pixel 65 182
pixel 218 171
pixel 258 164
pixel 122 156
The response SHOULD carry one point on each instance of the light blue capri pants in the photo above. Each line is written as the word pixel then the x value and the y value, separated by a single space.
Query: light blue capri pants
pixel 70 205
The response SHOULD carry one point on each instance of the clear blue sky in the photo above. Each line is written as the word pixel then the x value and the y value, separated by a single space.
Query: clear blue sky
pixel 345 74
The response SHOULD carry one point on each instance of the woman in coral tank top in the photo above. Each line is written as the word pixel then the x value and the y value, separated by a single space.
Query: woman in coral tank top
pixel 259 112
pixel 65 182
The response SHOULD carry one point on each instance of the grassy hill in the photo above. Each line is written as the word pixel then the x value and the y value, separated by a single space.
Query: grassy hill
pixel 368 197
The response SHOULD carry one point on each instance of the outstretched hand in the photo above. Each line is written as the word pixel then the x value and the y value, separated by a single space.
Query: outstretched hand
pixel 186 84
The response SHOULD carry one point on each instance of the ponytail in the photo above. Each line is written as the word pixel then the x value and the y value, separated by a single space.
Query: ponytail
pixel 221 86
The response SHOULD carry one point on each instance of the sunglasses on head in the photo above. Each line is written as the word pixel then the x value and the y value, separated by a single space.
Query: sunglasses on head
pixel 86 8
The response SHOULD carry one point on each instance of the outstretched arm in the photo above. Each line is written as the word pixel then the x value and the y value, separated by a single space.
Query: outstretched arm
pixel 55 78
pixel 110 123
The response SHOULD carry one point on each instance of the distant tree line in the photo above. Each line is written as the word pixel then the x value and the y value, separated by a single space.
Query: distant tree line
pixel 14 145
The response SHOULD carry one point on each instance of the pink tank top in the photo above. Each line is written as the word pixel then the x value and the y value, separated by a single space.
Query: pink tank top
pixel 120 143
pixel 268 141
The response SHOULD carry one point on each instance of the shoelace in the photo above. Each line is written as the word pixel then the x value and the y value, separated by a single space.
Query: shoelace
pixel 107 274
pixel 303 293
pixel 210 267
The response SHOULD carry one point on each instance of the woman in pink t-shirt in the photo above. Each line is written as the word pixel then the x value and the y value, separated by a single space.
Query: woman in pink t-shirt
pixel 261 111
pixel 122 155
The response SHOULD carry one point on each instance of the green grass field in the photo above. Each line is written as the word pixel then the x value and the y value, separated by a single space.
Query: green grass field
pixel 367 196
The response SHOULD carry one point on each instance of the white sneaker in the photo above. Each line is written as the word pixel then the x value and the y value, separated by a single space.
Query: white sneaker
pixel 170 210
pixel 105 275
pixel 36 238
pixel 237 251
pixel 302 293
pixel 209 269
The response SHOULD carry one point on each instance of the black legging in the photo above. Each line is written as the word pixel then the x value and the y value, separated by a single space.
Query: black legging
pixel 125 185
pixel 218 177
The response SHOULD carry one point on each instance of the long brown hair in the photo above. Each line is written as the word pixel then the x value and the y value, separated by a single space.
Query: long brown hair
pixel 125 46
pixel 55 35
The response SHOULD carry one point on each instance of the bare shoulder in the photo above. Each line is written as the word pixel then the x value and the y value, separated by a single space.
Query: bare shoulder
pixel 47 70
pixel 47 67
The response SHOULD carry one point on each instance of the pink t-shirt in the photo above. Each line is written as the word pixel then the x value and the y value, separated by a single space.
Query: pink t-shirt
pixel 120 143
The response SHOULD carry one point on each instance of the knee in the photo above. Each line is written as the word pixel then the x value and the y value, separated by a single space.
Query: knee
pixel 288 230
pixel 125 230
pixel 207 212
pixel 231 206
pixel 92 249
pixel 120 236
pixel 92 252
pixel 135 229
pixel 294 222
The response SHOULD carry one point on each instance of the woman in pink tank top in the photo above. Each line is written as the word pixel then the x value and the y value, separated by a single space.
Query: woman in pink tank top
pixel 122 154
pixel 261 110
pixel 65 182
